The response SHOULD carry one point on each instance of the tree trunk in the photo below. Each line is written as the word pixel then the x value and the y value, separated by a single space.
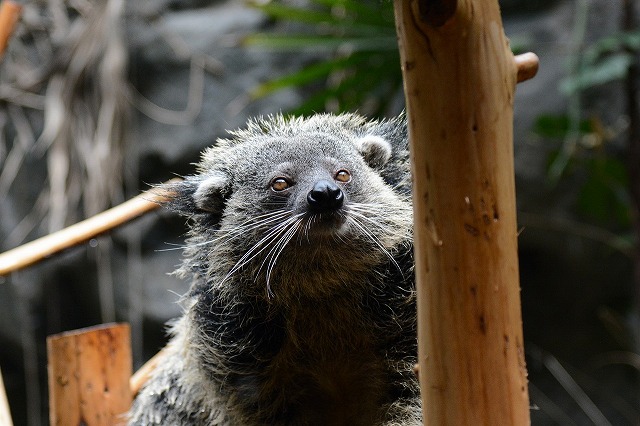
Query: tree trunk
pixel 460 79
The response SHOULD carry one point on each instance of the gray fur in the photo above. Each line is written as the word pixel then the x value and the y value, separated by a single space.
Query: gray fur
pixel 375 150
pixel 294 317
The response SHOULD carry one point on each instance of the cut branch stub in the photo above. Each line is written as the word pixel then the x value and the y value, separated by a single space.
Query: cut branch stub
pixel 527 64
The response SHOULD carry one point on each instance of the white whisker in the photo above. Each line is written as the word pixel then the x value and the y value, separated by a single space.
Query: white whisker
pixel 255 250
pixel 376 241
pixel 275 253
pixel 264 243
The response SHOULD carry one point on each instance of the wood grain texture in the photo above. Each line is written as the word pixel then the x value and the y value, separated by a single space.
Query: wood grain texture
pixel 89 373
pixel 460 78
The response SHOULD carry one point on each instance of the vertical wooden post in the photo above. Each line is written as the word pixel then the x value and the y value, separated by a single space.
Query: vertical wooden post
pixel 89 373
pixel 5 412
pixel 460 79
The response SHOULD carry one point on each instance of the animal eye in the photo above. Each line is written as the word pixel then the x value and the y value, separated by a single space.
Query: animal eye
pixel 280 184
pixel 343 176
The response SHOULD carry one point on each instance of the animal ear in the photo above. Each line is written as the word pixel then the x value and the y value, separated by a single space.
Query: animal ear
pixel 198 194
pixel 211 192
pixel 375 150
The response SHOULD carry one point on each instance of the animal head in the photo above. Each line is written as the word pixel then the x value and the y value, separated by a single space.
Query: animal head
pixel 320 188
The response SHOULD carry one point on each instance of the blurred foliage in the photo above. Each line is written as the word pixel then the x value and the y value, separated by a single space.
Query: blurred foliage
pixel 557 126
pixel 605 61
pixel 604 195
pixel 360 68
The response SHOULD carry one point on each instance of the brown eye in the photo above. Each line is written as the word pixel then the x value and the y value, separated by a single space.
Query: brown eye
pixel 279 184
pixel 343 176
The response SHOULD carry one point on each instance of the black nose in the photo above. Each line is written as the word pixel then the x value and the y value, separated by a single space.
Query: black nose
pixel 325 196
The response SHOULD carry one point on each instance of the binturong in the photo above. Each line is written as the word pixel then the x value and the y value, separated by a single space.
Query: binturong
pixel 301 309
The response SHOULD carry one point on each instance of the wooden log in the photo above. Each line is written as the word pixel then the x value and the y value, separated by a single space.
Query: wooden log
pixel 5 412
pixel 89 373
pixel 460 79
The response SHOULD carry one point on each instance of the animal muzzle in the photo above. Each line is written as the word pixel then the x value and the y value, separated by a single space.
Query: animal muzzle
pixel 325 197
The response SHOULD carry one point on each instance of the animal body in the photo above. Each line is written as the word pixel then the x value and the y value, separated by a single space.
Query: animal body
pixel 301 309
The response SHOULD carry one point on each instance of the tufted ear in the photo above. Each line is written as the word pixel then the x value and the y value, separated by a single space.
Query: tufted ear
pixel 199 194
pixel 375 150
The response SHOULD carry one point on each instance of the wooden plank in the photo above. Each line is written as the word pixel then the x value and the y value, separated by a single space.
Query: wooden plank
pixel 5 412
pixel 460 79
pixel 89 373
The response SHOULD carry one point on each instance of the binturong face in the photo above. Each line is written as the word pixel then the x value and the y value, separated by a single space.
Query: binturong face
pixel 309 200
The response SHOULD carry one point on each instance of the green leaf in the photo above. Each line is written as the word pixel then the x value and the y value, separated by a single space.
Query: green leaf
pixel 305 76
pixel 376 13
pixel 611 169
pixel 369 79
pixel 289 13
pixel 326 19
pixel 320 43
pixel 604 196
pixel 363 28
pixel 609 69
pixel 557 126
pixel 613 43
pixel 595 199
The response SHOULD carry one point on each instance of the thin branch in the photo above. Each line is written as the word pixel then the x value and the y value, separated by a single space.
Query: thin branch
pixel 583 230
pixel 574 108
pixel 172 117
pixel 140 377
pixel 549 407
pixel 570 385
pixel 41 248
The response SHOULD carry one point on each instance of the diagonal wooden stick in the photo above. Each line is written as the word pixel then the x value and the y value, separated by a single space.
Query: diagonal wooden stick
pixel 34 251
pixel 140 377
